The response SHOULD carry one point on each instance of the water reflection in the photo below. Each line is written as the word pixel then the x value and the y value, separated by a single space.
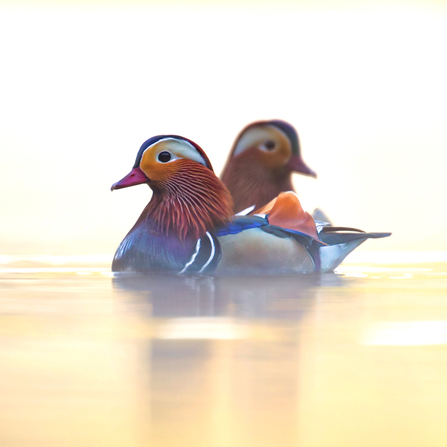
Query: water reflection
pixel 225 357
pixel 169 360
pixel 244 297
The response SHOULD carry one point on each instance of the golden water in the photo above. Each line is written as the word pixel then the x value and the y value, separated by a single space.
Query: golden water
pixel 357 358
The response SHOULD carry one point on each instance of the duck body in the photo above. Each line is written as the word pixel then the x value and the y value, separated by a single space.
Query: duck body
pixel 257 251
pixel 251 245
pixel 246 245
pixel 188 227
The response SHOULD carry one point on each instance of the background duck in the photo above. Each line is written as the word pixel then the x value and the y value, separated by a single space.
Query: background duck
pixel 261 163
pixel 188 226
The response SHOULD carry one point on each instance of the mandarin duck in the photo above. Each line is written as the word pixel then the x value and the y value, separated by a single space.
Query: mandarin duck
pixel 261 163
pixel 189 227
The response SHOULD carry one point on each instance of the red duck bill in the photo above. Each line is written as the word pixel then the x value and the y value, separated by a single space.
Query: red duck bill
pixel 135 177
pixel 296 163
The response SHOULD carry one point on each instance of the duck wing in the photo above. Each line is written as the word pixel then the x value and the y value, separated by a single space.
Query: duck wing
pixel 327 244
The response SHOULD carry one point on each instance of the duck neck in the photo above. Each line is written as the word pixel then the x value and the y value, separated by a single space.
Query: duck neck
pixel 255 185
pixel 190 203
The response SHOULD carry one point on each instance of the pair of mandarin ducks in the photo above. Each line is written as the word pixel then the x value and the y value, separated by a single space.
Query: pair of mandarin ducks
pixel 189 225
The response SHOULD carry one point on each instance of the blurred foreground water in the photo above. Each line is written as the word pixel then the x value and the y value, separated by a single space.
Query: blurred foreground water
pixel 356 358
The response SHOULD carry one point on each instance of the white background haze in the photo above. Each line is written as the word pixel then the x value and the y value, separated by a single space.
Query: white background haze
pixel 83 86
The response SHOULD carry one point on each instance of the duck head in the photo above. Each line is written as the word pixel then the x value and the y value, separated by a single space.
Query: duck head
pixel 188 197
pixel 274 145
pixel 261 163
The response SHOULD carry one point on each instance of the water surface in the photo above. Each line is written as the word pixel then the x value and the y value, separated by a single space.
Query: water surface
pixel 353 358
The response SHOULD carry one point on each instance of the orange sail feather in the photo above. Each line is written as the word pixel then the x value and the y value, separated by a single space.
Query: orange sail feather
pixel 286 211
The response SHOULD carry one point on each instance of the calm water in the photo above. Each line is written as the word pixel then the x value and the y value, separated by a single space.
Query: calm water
pixel 357 358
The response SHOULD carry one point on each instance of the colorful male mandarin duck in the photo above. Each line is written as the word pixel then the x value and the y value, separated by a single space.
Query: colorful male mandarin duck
pixel 189 227
pixel 261 163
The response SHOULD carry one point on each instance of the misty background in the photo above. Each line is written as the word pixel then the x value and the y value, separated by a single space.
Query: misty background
pixel 83 85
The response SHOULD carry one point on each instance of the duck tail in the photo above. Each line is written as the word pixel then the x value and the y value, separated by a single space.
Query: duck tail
pixel 341 241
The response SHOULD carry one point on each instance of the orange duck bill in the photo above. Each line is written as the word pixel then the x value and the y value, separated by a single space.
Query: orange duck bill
pixel 296 164
pixel 135 177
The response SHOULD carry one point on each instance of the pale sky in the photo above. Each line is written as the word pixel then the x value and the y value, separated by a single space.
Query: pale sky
pixel 82 87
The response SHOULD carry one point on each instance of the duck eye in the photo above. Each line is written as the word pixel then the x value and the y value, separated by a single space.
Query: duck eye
pixel 270 145
pixel 164 156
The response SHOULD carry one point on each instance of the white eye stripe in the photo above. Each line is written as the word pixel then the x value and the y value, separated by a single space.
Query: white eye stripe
pixel 258 137
pixel 178 149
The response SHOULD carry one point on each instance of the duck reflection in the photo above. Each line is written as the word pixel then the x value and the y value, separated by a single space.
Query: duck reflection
pixel 168 296
pixel 223 363
pixel 171 296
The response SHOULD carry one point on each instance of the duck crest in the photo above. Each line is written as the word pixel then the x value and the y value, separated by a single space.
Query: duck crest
pixel 260 185
pixel 189 202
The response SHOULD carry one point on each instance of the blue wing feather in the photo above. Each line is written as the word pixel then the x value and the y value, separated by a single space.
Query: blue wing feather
pixel 240 223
